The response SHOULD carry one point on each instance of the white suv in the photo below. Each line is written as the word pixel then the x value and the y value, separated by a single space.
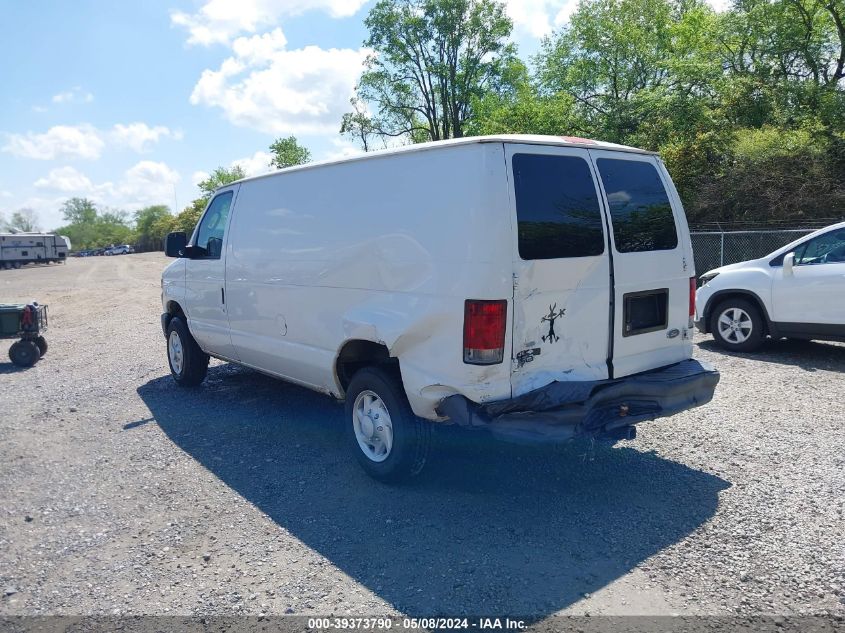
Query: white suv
pixel 797 292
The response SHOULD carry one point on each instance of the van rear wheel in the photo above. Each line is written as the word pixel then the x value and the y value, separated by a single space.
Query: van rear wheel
pixel 188 363
pixel 389 441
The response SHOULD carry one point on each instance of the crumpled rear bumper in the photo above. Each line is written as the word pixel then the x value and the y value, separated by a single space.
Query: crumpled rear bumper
pixel 562 411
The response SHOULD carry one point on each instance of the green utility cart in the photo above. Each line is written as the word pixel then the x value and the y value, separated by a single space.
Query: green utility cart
pixel 26 322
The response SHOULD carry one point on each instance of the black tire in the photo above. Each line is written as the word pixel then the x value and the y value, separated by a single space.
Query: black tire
pixel 194 364
pixel 41 342
pixel 411 435
pixel 16 265
pixel 755 337
pixel 24 353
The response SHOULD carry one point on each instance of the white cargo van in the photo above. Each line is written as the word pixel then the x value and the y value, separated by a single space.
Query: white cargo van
pixel 540 288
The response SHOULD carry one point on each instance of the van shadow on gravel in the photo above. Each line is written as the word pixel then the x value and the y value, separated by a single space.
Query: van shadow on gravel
pixel 488 527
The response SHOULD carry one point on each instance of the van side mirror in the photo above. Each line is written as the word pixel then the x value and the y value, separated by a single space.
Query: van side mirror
pixel 175 243
pixel 788 263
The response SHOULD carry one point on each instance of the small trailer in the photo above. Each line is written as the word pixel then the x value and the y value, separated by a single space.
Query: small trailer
pixel 26 322
pixel 17 249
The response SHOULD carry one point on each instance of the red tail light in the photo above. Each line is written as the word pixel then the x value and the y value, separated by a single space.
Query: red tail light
pixel 484 331
pixel 692 287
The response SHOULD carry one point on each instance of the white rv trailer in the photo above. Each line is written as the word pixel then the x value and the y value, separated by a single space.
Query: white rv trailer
pixel 17 249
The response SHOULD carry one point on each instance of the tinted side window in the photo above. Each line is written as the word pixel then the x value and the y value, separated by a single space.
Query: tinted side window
pixel 209 242
pixel 639 207
pixel 557 208
pixel 824 249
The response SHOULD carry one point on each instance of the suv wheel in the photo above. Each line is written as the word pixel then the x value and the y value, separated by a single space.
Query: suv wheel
pixel 188 363
pixel 737 326
pixel 389 441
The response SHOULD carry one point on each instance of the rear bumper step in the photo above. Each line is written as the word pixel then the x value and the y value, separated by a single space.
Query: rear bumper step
pixel 562 411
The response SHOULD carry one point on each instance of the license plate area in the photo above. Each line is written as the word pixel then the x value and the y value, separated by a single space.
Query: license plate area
pixel 645 311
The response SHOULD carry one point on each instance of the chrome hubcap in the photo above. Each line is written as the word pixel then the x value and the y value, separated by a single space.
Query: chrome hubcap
pixel 175 352
pixel 372 425
pixel 735 325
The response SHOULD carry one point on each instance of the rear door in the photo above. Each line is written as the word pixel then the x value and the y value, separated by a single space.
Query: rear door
pixel 561 267
pixel 652 262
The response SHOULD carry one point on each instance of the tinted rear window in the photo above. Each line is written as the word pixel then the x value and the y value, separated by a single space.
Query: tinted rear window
pixel 639 207
pixel 556 207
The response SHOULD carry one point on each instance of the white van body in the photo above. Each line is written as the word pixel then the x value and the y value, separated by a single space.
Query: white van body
pixel 323 265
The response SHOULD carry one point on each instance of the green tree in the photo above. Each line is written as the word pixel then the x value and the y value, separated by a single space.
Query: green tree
pixel 151 226
pixel 187 219
pixel 518 107
pixel 25 220
pixel 79 211
pixel 358 125
pixel 287 152
pixel 432 60
pixel 618 59
pixel 88 227
pixel 189 216
pixel 220 177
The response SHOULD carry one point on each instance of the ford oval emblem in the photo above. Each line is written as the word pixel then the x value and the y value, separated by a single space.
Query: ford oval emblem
pixel 673 333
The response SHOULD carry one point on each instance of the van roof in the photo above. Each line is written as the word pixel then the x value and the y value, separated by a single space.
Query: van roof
pixel 527 139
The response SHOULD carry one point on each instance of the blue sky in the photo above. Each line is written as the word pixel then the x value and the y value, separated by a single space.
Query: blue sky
pixel 131 103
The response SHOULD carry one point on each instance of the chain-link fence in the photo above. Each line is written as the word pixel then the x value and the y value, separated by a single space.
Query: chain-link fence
pixel 717 248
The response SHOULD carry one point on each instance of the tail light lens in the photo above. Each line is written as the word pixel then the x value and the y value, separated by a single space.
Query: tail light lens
pixel 484 331
pixel 692 287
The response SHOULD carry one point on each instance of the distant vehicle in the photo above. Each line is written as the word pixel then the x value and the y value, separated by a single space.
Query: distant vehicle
pixel 797 291
pixel 540 288
pixel 122 249
pixel 17 249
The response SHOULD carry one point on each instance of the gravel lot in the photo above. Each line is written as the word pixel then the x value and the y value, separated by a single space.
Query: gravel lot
pixel 121 493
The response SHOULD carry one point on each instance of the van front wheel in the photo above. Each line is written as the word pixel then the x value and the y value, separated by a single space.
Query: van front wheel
pixel 389 441
pixel 188 363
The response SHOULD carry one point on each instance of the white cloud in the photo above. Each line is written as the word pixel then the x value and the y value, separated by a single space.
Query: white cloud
pixel 5 194
pixel 342 149
pixel 266 87
pixel 85 141
pixel 67 180
pixel 720 5
pixel 258 163
pixel 198 176
pixel 537 18
pixel 146 182
pixel 46 209
pixel 74 95
pixel 218 21
pixel 139 136
pixel 81 141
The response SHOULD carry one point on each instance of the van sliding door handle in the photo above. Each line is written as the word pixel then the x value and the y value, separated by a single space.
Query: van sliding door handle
pixel 223 296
